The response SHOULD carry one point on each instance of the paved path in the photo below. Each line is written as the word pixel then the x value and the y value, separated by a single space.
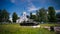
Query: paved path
pixel 55 28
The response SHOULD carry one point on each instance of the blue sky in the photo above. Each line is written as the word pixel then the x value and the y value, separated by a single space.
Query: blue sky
pixel 20 6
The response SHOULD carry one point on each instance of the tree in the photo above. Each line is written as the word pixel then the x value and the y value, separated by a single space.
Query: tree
pixel 52 14
pixel 34 17
pixel 14 17
pixel 27 16
pixel 58 17
pixel 4 16
pixel 43 15
pixel 30 15
pixel 37 16
pixel 0 16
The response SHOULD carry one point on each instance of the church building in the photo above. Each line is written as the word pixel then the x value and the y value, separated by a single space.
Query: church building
pixel 22 18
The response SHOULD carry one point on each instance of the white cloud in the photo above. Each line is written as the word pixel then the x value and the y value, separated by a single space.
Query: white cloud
pixel 13 1
pixel 10 19
pixel 33 13
pixel 57 11
pixel 16 2
pixel 31 6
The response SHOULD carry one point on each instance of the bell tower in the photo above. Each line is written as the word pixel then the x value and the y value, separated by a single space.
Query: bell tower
pixel 24 14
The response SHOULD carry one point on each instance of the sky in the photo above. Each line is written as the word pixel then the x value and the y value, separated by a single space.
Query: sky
pixel 20 6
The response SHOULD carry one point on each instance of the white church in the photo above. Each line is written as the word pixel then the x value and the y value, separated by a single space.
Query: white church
pixel 22 18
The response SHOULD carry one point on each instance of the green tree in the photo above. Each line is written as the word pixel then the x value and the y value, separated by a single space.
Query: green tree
pixel 43 15
pixel 30 15
pixel 27 16
pixel 37 16
pixel 4 16
pixel 34 17
pixel 58 16
pixel 0 16
pixel 52 14
pixel 14 17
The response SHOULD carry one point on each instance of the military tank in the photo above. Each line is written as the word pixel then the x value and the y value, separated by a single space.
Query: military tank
pixel 29 23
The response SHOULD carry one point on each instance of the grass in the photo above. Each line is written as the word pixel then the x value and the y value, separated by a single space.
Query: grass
pixel 48 25
pixel 17 29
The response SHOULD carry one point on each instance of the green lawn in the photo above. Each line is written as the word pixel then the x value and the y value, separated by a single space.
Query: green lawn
pixel 48 25
pixel 17 29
